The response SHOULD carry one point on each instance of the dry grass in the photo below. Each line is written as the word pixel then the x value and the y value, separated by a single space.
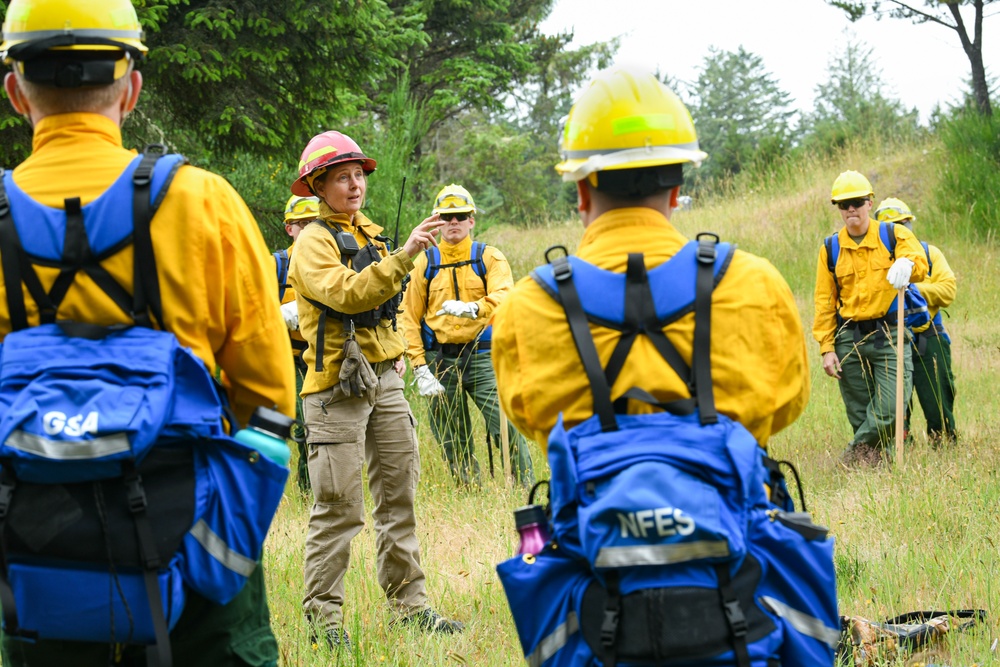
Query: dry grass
pixel 924 536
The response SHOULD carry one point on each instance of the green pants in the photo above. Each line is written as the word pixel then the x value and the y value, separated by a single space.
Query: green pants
pixel 302 466
pixel 934 384
pixel 234 635
pixel 451 424
pixel 868 386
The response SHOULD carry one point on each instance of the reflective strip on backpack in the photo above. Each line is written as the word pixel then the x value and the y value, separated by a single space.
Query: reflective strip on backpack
pixel 661 554
pixel 803 622
pixel 62 450
pixel 554 641
pixel 220 551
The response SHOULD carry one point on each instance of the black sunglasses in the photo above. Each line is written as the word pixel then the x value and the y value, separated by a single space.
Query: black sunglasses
pixel 448 217
pixel 848 203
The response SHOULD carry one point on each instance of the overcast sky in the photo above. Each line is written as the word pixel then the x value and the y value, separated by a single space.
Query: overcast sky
pixel 797 39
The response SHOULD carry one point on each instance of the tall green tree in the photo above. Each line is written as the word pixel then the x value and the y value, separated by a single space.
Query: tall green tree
pixel 740 113
pixel 946 13
pixel 473 55
pixel 855 101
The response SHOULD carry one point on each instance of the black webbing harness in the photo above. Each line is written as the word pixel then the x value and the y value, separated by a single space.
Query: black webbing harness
pixel 145 308
pixel 476 252
pixel 640 318
pixel 356 259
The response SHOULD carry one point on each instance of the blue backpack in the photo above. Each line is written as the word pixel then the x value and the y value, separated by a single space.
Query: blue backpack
pixel 434 265
pixel 120 489
pixel 666 549
pixel 281 264
pixel 915 313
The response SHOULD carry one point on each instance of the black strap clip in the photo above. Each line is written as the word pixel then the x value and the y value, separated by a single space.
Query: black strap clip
pixel 609 627
pixel 562 270
pixel 136 494
pixel 7 486
pixel 706 249
pixel 737 621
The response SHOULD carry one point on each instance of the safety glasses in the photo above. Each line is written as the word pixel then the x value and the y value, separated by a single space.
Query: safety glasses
pixel 849 203
pixel 452 195
pixel 448 217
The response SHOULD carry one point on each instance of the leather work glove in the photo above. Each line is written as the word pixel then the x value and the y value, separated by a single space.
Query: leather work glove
pixel 357 377
pixel 899 273
pixel 427 384
pixel 290 311
pixel 460 309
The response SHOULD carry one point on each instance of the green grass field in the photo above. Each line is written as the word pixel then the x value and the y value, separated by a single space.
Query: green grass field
pixel 921 536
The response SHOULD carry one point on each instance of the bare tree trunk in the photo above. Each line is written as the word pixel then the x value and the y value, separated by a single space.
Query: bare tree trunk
pixel 974 51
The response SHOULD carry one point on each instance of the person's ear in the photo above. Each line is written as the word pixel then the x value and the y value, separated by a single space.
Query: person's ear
pixel 673 196
pixel 15 95
pixel 582 195
pixel 131 97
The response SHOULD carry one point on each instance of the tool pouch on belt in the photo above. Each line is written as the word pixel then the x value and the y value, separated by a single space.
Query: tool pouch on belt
pixel 357 378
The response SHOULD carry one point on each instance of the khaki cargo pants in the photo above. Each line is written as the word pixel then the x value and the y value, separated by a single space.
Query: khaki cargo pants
pixel 344 433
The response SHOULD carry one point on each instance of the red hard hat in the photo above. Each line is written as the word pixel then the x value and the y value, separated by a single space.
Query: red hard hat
pixel 324 150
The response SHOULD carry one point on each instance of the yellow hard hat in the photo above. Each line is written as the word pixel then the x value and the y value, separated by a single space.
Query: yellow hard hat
pixel 103 35
pixel 626 119
pixel 850 185
pixel 301 208
pixel 454 199
pixel 893 210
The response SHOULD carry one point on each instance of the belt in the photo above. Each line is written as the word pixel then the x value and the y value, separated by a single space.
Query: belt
pixel 381 367
pixel 864 328
pixel 458 349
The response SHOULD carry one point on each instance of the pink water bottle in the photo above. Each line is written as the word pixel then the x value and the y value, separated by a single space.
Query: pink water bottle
pixel 533 526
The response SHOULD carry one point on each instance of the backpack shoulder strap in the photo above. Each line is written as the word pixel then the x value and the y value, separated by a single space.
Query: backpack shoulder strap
pixel 887 232
pixel 16 265
pixel 832 243
pixel 927 252
pixel 281 265
pixel 562 271
pixel 433 254
pixel 701 359
pixel 478 265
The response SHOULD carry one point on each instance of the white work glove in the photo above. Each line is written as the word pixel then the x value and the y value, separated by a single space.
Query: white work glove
pixel 460 309
pixel 899 273
pixel 427 384
pixel 290 311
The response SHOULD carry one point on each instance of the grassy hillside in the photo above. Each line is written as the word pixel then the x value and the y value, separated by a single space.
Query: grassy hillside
pixel 924 536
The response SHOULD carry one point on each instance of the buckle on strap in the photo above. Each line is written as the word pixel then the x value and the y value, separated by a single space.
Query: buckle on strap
pixel 707 252
pixel 7 486
pixel 609 627
pixel 136 494
pixel 737 621
pixel 561 269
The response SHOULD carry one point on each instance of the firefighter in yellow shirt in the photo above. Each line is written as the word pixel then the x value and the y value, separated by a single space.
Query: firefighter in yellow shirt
pixel 625 144
pixel 933 379
pixel 74 78
pixel 299 212
pixel 348 284
pixel 455 289
pixel 857 279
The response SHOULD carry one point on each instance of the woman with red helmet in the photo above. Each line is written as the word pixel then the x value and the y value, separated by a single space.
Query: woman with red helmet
pixel 349 284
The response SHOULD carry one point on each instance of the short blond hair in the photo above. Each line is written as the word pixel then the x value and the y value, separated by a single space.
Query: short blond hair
pixel 50 100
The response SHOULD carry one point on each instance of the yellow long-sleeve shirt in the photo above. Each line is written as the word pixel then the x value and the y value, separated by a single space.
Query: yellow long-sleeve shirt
pixel 940 287
pixel 216 280
pixel 759 367
pixel 861 270
pixel 461 284
pixel 317 273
